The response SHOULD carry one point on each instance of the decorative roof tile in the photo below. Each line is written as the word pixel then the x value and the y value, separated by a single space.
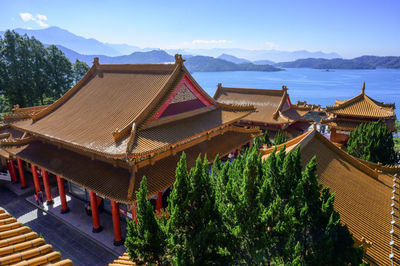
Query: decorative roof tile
pixel 362 106
pixel 272 106
pixel 20 246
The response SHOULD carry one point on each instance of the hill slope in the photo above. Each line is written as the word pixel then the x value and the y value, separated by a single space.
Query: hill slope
pixel 233 59
pixel 211 64
pixel 58 36
pixel 362 62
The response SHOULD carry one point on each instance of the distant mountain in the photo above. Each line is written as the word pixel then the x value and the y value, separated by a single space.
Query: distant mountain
pixel 155 56
pixel 253 55
pixel 85 46
pixel 233 59
pixel 263 62
pixel 363 62
pixel 58 36
pixel 124 49
pixel 211 64
pixel 193 63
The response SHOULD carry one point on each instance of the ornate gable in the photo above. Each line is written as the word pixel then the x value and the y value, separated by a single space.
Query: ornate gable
pixel 186 97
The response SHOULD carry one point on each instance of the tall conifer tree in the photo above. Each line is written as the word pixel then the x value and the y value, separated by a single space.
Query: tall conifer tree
pixel 145 240
pixel 373 142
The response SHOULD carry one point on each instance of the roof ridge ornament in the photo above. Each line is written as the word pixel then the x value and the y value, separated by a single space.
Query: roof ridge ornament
pixel 363 88
pixel 219 86
pixel 179 59
pixel 96 61
pixel 284 88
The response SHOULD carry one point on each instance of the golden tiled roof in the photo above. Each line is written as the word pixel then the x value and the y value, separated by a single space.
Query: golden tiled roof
pixel 351 124
pixel 113 182
pixel 162 136
pixel 111 97
pixel 20 246
pixel 112 106
pixel 122 261
pixel 342 124
pixel 272 106
pixel 23 113
pixel 362 106
pixel 363 195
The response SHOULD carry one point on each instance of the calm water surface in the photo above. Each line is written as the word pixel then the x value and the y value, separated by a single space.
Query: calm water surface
pixel 312 85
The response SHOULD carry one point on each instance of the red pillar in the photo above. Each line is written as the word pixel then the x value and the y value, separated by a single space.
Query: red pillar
pixel 21 173
pixel 250 143
pixel 35 178
pixel 11 169
pixel 47 187
pixel 134 215
pixel 61 191
pixel 159 201
pixel 116 223
pixel 97 228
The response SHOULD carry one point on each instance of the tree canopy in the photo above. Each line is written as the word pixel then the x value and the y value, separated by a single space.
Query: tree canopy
pixel 372 142
pixel 252 212
pixel 280 138
pixel 32 74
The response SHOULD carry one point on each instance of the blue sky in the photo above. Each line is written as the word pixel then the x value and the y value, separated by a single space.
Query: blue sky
pixel 350 28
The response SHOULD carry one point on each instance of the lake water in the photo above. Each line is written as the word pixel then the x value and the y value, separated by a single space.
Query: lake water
pixel 312 85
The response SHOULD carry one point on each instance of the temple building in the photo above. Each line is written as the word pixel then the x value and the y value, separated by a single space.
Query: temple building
pixel 20 246
pixel 274 110
pixel 116 125
pixel 346 115
pixel 366 195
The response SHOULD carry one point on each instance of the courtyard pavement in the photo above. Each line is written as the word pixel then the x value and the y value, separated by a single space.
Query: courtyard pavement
pixel 72 241
pixel 79 220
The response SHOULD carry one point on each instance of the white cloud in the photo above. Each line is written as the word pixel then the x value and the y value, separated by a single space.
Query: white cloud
pixel 26 16
pixel 39 19
pixel 42 24
pixel 271 45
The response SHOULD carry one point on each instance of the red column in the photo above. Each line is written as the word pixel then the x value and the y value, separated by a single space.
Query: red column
pixel 61 191
pixel 21 173
pixel 116 223
pixel 134 215
pixel 159 201
pixel 11 169
pixel 250 143
pixel 35 178
pixel 47 187
pixel 95 213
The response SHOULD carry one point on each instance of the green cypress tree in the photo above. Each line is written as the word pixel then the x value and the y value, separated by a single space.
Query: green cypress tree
pixel 194 227
pixel 280 138
pixel 265 139
pixel 372 142
pixel 145 240
pixel 178 208
pixel 323 238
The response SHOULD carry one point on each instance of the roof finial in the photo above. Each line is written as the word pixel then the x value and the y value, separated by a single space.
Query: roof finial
pixel 363 88
pixel 96 61
pixel 219 86
pixel 179 59
pixel 284 88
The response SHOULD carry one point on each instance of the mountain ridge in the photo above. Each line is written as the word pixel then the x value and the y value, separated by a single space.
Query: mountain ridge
pixel 87 46
pixel 361 62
